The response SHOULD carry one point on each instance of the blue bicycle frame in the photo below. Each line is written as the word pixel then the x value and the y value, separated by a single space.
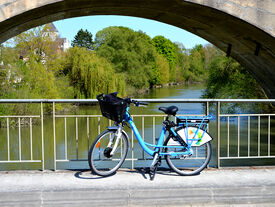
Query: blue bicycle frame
pixel 159 144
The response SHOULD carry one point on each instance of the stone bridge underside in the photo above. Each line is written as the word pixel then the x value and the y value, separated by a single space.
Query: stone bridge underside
pixel 245 29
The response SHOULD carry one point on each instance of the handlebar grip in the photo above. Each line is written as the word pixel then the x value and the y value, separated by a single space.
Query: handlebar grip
pixel 127 100
pixel 143 103
pixel 138 103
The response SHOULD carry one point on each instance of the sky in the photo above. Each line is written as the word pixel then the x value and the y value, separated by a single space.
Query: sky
pixel 69 27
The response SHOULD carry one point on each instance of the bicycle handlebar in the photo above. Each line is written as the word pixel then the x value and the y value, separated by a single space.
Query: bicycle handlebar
pixel 127 100
pixel 138 103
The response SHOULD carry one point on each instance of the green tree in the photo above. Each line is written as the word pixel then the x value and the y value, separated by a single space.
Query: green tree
pixel 39 81
pixel 91 75
pixel 182 66
pixel 29 80
pixel 197 63
pixel 168 50
pixel 160 71
pixel 83 39
pixel 5 83
pixel 38 42
pixel 228 79
pixel 130 53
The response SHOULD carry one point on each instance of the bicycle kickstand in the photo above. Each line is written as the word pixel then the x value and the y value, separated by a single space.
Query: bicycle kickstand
pixel 155 164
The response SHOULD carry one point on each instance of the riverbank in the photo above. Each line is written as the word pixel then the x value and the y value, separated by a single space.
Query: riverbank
pixel 224 187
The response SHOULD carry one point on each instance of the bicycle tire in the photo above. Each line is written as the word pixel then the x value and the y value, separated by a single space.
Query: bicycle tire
pixel 192 166
pixel 96 155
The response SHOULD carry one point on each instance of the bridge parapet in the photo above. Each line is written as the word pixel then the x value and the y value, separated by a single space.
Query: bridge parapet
pixel 257 12
pixel 236 136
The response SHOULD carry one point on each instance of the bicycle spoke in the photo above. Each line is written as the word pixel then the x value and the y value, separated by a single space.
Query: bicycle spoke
pixel 103 158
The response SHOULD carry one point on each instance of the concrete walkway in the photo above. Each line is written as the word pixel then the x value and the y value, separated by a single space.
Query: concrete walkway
pixel 224 187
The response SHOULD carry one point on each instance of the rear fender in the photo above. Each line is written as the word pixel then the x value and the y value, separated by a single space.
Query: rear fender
pixel 195 136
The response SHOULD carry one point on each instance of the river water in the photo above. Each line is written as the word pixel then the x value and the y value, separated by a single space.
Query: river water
pixel 79 140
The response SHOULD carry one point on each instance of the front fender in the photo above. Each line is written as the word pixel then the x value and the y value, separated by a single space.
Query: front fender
pixel 114 128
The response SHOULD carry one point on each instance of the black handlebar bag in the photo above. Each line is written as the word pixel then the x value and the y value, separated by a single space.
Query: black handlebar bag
pixel 112 107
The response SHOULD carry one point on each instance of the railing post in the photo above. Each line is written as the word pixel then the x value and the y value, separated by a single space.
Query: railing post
pixel 42 136
pixel 8 138
pixel 76 136
pixel 19 138
pixel 207 109
pixel 132 149
pixel 54 141
pixel 218 110
pixel 207 113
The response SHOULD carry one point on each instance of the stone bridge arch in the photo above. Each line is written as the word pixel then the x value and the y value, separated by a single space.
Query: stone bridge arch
pixel 245 29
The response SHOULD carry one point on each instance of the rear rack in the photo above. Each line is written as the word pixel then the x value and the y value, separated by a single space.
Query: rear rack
pixel 181 120
pixel 201 122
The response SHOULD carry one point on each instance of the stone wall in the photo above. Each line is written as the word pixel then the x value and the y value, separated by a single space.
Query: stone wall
pixel 260 13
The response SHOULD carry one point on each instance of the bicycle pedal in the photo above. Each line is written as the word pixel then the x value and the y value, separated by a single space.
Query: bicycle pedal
pixel 153 170
pixel 152 173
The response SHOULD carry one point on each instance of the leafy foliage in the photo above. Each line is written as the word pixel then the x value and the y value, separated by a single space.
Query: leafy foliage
pixel 182 73
pixel 83 39
pixel 38 42
pixel 160 71
pixel 130 53
pixel 197 63
pixel 228 79
pixel 122 60
pixel 90 74
pixel 168 50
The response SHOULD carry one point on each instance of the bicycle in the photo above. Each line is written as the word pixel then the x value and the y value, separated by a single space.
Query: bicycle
pixel 186 149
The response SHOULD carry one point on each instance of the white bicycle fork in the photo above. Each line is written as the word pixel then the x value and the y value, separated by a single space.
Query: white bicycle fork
pixel 118 135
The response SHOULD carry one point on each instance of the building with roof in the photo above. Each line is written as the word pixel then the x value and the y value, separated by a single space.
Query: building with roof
pixel 63 43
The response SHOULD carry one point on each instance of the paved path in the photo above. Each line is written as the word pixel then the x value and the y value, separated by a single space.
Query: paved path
pixel 224 187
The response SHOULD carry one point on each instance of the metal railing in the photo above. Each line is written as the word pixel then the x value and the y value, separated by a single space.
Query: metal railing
pixel 259 116
pixel 220 123
pixel 19 118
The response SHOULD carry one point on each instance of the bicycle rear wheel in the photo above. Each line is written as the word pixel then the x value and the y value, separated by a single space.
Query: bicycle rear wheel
pixel 104 157
pixel 188 164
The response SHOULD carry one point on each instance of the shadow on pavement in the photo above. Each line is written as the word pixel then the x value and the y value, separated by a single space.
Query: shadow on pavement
pixel 144 172
pixel 86 174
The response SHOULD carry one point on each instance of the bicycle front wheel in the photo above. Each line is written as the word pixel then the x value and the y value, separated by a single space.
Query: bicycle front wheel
pixel 191 164
pixel 108 153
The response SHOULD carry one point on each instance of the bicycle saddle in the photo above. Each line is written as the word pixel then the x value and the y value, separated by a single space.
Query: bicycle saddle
pixel 171 110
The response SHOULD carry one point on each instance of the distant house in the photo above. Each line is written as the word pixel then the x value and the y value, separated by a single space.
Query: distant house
pixel 59 44
pixel 63 43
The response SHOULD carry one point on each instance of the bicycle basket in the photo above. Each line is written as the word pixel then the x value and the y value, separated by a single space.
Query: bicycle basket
pixel 112 107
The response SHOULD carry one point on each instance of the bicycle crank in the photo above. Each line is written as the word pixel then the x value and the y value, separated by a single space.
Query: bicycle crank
pixel 155 164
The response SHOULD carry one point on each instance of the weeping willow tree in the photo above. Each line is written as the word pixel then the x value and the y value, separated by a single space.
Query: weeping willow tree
pixel 91 75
